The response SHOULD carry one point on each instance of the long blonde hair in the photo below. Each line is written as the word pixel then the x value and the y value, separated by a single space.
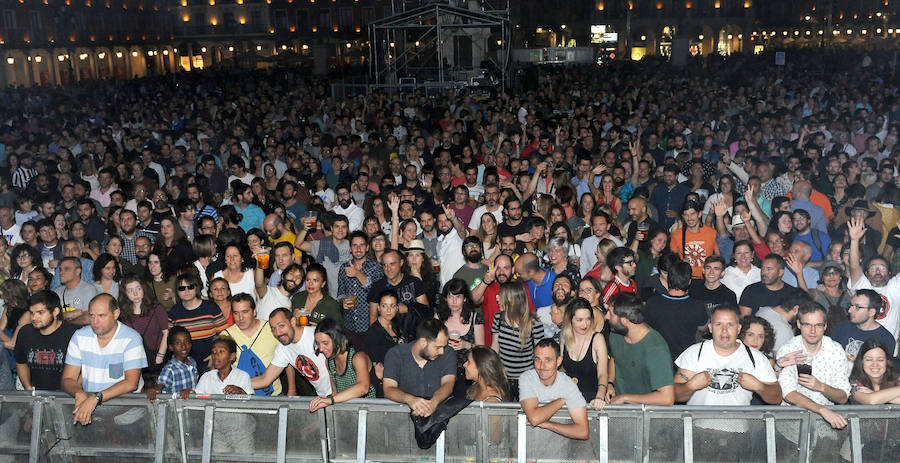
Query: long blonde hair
pixel 514 303
pixel 576 304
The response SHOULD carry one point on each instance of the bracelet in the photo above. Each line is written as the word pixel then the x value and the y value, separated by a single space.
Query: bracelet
pixel 330 396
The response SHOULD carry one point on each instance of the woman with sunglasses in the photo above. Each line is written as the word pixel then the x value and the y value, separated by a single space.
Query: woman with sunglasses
pixel 202 318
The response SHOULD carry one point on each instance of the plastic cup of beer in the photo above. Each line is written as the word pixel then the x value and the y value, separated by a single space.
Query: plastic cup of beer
pixel 642 230
pixel 303 319
pixel 262 260
pixel 454 337
pixel 312 217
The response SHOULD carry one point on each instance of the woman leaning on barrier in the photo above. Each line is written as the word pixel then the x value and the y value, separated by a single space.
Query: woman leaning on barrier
pixel 873 379
pixel 349 370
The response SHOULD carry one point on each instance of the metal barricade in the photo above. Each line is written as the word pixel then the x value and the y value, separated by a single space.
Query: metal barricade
pixel 38 428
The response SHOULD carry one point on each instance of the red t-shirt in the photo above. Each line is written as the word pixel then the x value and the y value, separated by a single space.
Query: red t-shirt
pixel 615 287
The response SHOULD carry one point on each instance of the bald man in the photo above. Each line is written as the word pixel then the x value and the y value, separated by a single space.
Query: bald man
pixel 800 193
pixel 277 232
pixel 538 280
pixel 637 211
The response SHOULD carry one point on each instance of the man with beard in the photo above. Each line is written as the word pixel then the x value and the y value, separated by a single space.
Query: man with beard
pixel 421 373
pixel 330 251
pixel 129 235
pixel 623 265
pixel 273 226
pixel 142 248
pixel 472 272
pixel 452 231
pixel 95 228
pixel 429 235
pixel 637 211
pixel 491 196
pixel 876 278
pixel 694 242
pixel 252 216
pixel 514 224
pixel 413 303
pixel 41 345
pixel 487 291
pixel 646 376
pixel 354 280
pixel 552 317
pixel 273 297
pixel 348 208
pixel 771 290
pixel 256 343
pixel 669 197
pixel 297 348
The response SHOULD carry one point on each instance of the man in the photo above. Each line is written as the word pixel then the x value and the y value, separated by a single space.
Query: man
pixel 103 361
pixel 491 196
pixel 277 232
pixel 538 280
pixel 273 297
pixel 472 271
pixel 677 316
pixel 9 227
pixel 668 198
pixel 782 317
pixel 818 240
pixel 801 192
pixel 694 242
pixel 87 213
pixel 332 252
pixel 129 234
pixel 41 345
pixel 72 248
pixel 346 207
pixel 256 344
pixel 294 208
pixel 50 248
pixel 600 224
pixel 74 293
pixel 621 262
pixel 637 211
pixel 826 382
pixel 514 224
pixel 201 208
pixel 421 373
pixel 460 203
pixel 799 274
pixel 282 255
pixel 851 334
pixel 251 214
pixel 429 235
pixel 452 231
pixel 544 390
pixel 552 317
pixel 770 290
pixel 297 348
pixel 486 293
pixel 238 168
pixel 645 366
pixel 876 278
pixel 355 278
pixel 413 301
pixel 106 186
pixel 710 288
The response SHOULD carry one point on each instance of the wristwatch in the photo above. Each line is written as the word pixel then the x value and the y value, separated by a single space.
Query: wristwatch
pixel 99 397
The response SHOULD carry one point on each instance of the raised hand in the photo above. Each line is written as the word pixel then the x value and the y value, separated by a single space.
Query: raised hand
pixel 449 212
pixel 856 228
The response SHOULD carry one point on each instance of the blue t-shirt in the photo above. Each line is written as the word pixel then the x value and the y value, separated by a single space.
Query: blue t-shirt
pixel 543 295
pixel 824 240
pixel 852 338
pixel 252 217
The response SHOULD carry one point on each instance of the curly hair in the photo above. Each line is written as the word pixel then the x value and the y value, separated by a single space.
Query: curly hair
pixel 769 343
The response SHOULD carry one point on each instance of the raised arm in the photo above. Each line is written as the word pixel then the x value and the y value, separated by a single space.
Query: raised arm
pixel 394 205
pixel 856 228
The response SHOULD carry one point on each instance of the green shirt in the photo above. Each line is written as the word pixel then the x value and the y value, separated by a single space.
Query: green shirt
pixel 642 367
pixel 327 307
pixel 644 269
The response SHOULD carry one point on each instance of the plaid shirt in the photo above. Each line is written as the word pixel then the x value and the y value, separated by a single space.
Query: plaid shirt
pixel 771 189
pixel 357 320
pixel 128 245
pixel 177 376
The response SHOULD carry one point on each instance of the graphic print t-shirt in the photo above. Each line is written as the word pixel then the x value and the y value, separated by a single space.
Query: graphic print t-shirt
pixel 302 356
pixel 44 355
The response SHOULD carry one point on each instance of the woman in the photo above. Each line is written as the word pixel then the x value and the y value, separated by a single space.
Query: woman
pixel 592 290
pixel 419 265
pixel 516 331
pixel 202 318
pixel 484 368
pixel 379 245
pixel 600 271
pixel 584 356
pixel 562 230
pixel 380 211
pixel 580 220
pixel 61 225
pixel 726 193
pixel 315 300
pixel 350 370
pixel 606 194
pixel 832 295
pixel 238 271
pixel 172 244
pixel 557 252
pixel 270 177
pixel 220 293
pixel 256 241
pixel 647 254
pixel 78 232
pixel 5 259
pixel 487 233
pixel 24 259
pixel 114 246
pixel 140 310
pixel 758 333
pixel 556 215
pixel 383 334
pixel 565 196
pixel 742 272
pixel 873 379
pixel 28 233
pixel 371 226
pixel 839 197
pixel 205 250
pixel 261 195
pixel 14 295
pixel 783 224
pixel 107 275
pixel 229 217
pixel 163 282
pixel 464 323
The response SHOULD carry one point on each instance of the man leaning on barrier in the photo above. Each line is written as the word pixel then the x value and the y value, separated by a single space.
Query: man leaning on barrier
pixel 422 373
pixel 546 385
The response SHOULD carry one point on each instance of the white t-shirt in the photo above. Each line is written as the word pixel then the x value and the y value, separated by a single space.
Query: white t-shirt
pixel 246 285
pixel 890 296
pixel 450 252
pixel 271 301
pixel 211 384
pixel 12 235
pixel 248 179
pixel 475 222
pixel 302 356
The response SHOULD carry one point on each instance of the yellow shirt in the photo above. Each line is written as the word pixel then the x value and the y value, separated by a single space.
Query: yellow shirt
pixel 263 346
pixel 287 238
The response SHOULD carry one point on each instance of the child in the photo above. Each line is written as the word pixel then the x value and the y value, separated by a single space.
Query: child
pixel 180 374
pixel 23 209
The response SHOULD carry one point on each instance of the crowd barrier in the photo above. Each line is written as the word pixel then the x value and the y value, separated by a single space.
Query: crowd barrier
pixel 38 428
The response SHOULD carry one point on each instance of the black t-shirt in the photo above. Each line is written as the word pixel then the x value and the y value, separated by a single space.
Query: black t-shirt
pixel 712 297
pixel 677 320
pixel 506 229
pixel 45 356
pixel 407 290
pixel 757 296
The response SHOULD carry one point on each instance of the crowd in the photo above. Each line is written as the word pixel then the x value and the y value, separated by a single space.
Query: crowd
pixel 722 234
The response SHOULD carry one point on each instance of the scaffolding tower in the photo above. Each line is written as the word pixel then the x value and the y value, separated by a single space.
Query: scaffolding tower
pixel 441 43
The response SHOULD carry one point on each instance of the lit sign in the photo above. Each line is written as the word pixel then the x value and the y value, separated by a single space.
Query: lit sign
pixel 603 34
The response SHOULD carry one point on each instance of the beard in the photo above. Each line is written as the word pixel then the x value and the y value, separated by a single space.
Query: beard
pixel 276 234
pixel 345 203
pixel 561 301
pixel 618 329
pixel 473 257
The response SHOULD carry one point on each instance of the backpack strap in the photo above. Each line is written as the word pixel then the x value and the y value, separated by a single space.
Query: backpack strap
pixel 817 240
pixel 750 353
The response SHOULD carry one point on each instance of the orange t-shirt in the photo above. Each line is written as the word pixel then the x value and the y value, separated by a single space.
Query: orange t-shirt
pixel 699 245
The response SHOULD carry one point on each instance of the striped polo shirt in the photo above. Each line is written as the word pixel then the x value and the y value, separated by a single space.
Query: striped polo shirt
pixel 102 367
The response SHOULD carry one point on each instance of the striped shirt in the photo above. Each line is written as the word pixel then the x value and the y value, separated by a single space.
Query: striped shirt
pixel 203 322
pixel 103 367
pixel 22 176
pixel 515 358
pixel 615 287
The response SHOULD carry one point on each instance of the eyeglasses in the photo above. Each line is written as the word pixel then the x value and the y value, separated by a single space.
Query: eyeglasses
pixel 23 257
pixel 186 288
pixel 627 262
pixel 814 326
pixel 859 307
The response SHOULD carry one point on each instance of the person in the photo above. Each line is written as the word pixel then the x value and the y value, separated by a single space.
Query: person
pixel 296 348
pixel 40 347
pixel 103 360
pixel 622 263
pixel 349 369
pixel 710 288
pixel 354 280
pixel 489 289
pixel 544 390
pixel 516 331
pixel 141 312
pixel 473 270
pixel 770 290
pixel 315 301
pixel 202 318
pixel 332 252
pixel 220 293
pixel 757 333
pixel 485 370
pixel 558 256
pixel 677 316
pixel 799 273
pixel 256 342
pixel 648 254
pixel 864 307
pixel 584 354
pixel 180 374
pixel 74 293
pixel 383 335
pixel 107 275
pixel 824 381
pixel 876 277
pixel 832 293
pixel 873 378
pixel 694 242
pixel 347 207
pixel 238 271
pixel 162 278
pixel 538 280
pixel 464 324
pixel 669 197
pixel 633 342
pixel 172 244
pixel 742 273
pixel 422 373
pixel 781 318
pixel 292 279
pixel 413 301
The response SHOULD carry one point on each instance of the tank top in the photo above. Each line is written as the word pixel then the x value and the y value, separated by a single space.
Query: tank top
pixel 348 379
pixel 584 371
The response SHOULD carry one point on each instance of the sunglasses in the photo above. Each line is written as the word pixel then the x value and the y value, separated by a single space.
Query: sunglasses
pixel 186 288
